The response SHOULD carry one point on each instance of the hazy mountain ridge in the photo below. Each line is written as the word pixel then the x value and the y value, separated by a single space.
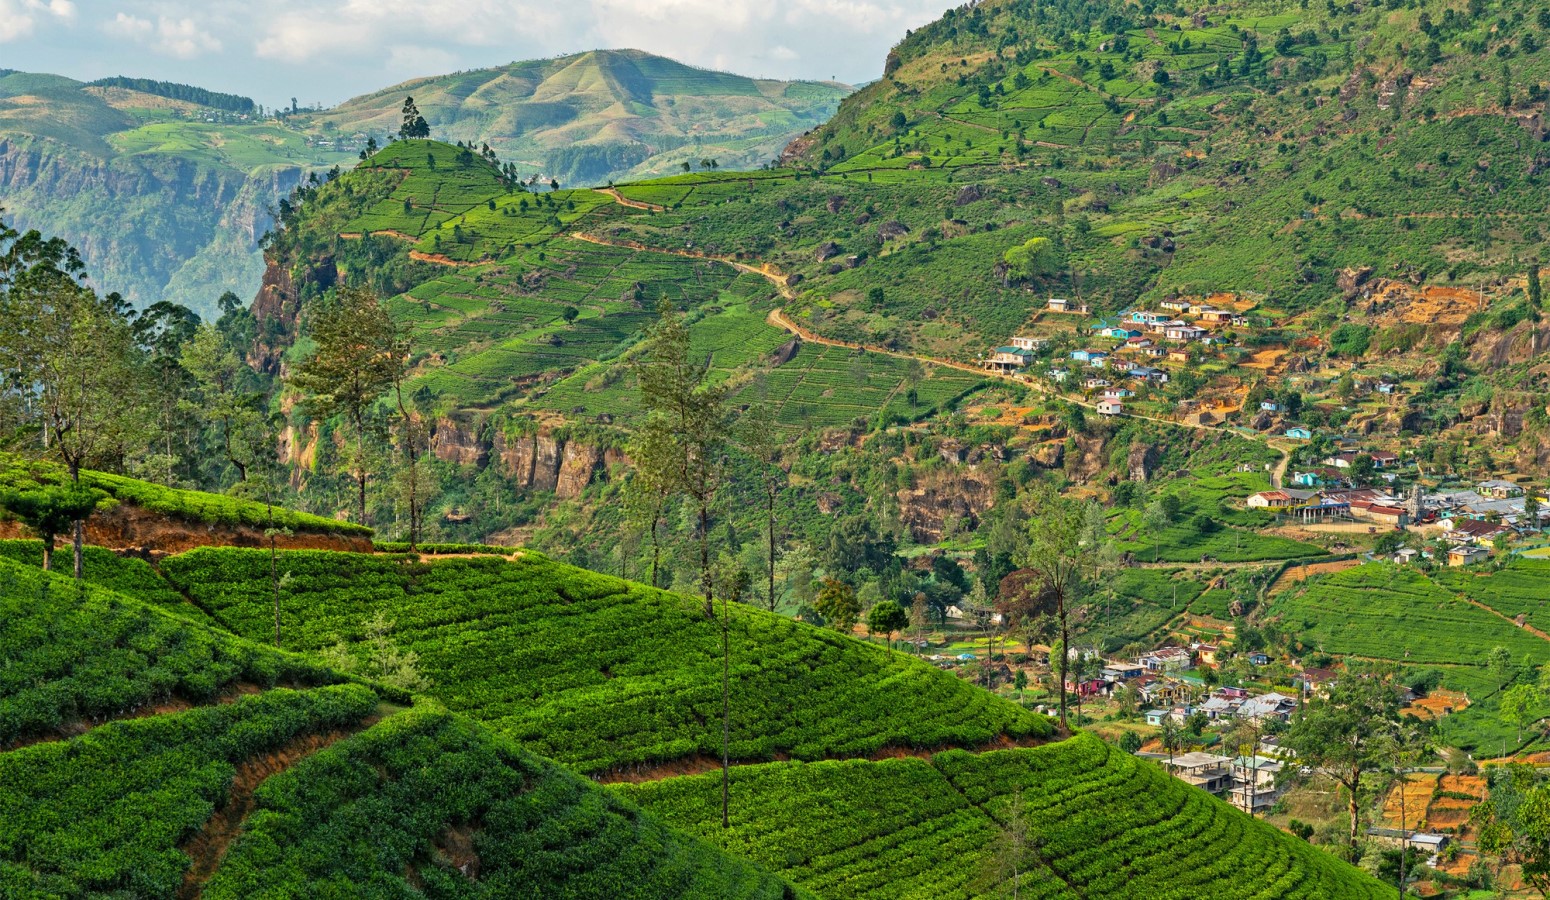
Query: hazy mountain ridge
pixel 167 198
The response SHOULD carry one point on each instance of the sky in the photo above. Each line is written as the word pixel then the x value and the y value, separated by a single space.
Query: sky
pixel 326 51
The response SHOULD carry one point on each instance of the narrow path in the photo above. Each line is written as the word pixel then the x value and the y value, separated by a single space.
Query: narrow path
pixel 632 204
pixel 1506 618
pixel 778 318
pixel 208 846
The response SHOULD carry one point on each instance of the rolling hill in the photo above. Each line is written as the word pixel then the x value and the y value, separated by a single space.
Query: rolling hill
pixel 236 770
pixel 167 189
pixel 607 114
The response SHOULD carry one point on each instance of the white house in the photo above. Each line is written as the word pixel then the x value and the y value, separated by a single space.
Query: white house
pixel 1110 408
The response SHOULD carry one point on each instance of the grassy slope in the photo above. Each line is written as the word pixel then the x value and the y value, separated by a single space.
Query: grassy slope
pixel 599 673
pixel 383 811
pixel 1101 824
pixel 1393 613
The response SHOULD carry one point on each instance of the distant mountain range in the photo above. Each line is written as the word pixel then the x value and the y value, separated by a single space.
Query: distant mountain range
pixel 167 188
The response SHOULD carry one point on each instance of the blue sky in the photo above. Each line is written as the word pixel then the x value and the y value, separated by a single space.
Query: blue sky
pixel 326 51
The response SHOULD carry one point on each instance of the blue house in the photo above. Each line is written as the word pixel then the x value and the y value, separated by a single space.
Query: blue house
pixel 1259 659
pixel 1307 479
pixel 1081 355
pixel 1123 333
pixel 1300 433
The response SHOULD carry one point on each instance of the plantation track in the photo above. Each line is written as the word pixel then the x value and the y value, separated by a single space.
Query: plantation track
pixel 778 318
pixel 208 846
pixel 703 764
pixel 1501 615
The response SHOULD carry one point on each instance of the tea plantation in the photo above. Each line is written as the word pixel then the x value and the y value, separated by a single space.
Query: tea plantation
pixel 599 673
pixel 419 803
pixel 1107 825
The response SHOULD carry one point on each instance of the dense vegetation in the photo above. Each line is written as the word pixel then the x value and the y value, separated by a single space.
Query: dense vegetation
pixel 1075 819
pixel 76 654
pixel 599 673
pixel 429 803
pixel 185 92
pixel 107 812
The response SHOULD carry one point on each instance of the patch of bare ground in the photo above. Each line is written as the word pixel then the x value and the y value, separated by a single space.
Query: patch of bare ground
pixel 702 763
pixel 209 845
pixel 1297 574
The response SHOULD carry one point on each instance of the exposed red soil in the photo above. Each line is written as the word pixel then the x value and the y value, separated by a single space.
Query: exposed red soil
pixel 702 763
pixel 209 845
pixel 129 528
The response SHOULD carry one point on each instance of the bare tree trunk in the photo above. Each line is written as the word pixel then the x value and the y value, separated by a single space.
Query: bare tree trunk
pixel 726 712
pixel 705 584
pixel 1353 807
pixel 48 553
pixel 656 540
pixel 78 527
pixel 1065 654
pixel 770 568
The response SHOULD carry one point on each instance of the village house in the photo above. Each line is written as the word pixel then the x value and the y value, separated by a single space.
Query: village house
pixel 1176 305
pixel 1010 359
pixel 1148 373
pixel 1216 316
pixel 1467 555
pixel 1029 343
pixel 1206 653
pixel 1120 332
pixel 1473 531
pixel 1119 670
pixel 1184 333
pixel 1089 687
pixel 1267 706
pixel 1094 383
pixel 1282 498
pixel 1500 490
pixel 1155 352
pixel 1058 375
pixel 1110 408
pixel 1166 659
pixel 1118 393
pixel 1300 433
pixel 1062 305
pixel 1163 692
pixel 1138 343
pixel 1270 406
pixel 1254 787
pixel 1179 356
pixel 1259 659
pixel 1207 771
pixel 1379 513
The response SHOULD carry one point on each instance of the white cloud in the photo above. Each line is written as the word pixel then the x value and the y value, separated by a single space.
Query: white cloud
pixel 180 38
pixel 19 18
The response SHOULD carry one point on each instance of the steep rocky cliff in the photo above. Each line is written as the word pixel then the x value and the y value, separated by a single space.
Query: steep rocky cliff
pixel 150 226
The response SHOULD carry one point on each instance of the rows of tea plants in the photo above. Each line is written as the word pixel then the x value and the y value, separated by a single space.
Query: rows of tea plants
pixel 375 815
pixel 891 828
pixel 599 673
pixel 1115 826
pixel 1099 822
pixel 72 653
pixel 1384 611
pixel 105 814
pixel 127 575
pixel 1522 588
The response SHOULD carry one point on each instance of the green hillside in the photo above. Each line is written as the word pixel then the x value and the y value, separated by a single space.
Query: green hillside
pixel 1095 823
pixel 166 188
pixel 280 792
pixel 599 673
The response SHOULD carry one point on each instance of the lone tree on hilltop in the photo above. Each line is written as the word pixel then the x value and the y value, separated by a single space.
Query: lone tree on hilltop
pixel 415 125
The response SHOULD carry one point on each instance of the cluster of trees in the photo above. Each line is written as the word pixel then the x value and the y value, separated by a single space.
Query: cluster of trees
pixel 89 382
